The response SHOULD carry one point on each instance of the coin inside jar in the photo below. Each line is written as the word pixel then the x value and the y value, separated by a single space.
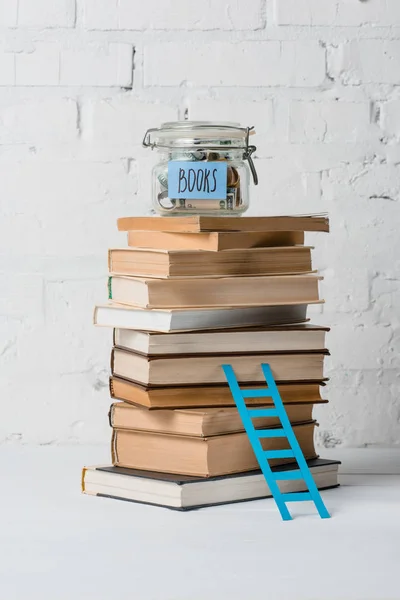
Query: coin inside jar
pixel 165 202
pixel 232 177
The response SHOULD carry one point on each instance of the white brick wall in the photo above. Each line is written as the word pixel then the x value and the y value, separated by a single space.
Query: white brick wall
pixel 81 81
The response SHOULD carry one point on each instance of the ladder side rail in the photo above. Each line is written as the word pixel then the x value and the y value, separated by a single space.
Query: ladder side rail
pixel 255 441
pixel 294 444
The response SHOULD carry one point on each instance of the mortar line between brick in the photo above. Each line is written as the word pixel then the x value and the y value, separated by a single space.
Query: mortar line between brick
pixel 75 2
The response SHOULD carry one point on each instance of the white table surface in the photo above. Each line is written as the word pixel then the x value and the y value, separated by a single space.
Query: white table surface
pixel 57 544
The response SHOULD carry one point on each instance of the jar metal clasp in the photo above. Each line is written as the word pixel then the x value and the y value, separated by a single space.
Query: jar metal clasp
pixel 146 140
pixel 249 150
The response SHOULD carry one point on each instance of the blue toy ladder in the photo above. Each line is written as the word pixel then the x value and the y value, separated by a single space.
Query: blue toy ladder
pixel 286 431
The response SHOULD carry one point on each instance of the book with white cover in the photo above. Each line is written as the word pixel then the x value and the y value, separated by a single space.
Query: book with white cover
pixel 116 315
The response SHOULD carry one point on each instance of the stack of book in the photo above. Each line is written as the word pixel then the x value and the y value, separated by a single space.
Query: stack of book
pixel 186 296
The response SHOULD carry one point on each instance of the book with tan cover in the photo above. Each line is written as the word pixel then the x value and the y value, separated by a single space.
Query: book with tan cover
pixel 272 290
pixel 196 224
pixel 287 338
pixel 203 422
pixel 206 369
pixel 214 241
pixel 151 262
pixel 200 396
pixel 202 456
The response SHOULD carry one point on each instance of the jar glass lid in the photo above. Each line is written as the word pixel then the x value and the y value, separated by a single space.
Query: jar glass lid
pixel 208 133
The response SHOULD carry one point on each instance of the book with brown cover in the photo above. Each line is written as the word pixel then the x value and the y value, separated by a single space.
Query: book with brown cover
pixel 200 396
pixel 206 369
pixel 202 456
pixel 198 263
pixel 272 290
pixel 203 422
pixel 196 224
pixel 214 241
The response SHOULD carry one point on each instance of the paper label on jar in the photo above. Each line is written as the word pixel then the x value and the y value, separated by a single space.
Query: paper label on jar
pixel 197 180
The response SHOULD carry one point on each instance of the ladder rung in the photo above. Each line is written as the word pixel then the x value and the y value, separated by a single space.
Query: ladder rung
pixel 278 454
pixel 271 433
pixel 262 412
pixel 296 496
pixel 261 393
pixel 286 475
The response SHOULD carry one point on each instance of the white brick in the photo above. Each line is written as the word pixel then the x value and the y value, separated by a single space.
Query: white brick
pixel 282 189
pixel 305 12
pixel 371 189
pixel 11 329
pixel 40 67
pixel 343 13
pixel 329 121
pixel 378 181
pixel 374 339
pixel 385 294
pixel 298 64
pixel 7 68
pixel 62 188
pixel 100 14
pixel 345 290
pixel 81 65
pixel 173 15
pixel 38 121
pixel 21 296
pixel 367 61
pixel 390 117
pixel 354 398
pixel 373 12
pixel 320 156
pixel 31 242
pixel 97 65
pixel 70 198
pixel 46 13
pixel 68 302
pixel 123 121
pixel 67 401
pixel 8 13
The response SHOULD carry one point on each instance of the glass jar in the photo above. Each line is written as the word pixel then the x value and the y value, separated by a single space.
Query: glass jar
pixel 203 168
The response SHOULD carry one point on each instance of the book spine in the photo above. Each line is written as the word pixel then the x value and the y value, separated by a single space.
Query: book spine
pixel 111 415
pixel 109 285
pixel 83 479
pixel 114 455
pixel 111 387
pixel 112 361
pixel 110 261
